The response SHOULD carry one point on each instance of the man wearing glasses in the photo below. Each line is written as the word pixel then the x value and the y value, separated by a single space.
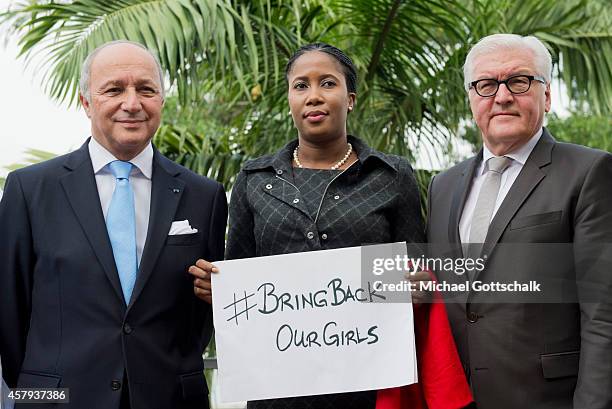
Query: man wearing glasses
pixel 524 189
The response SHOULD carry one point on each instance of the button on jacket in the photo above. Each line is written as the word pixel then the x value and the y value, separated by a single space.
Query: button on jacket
pixel 375 200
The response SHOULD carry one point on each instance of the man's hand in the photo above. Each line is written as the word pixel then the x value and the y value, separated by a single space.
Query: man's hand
pixel 419 296
pixel 201 272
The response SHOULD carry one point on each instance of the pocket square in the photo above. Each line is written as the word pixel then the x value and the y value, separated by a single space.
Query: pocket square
pixel 181 227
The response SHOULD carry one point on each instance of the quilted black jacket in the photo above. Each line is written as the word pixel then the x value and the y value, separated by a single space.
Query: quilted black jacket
pixel 376 200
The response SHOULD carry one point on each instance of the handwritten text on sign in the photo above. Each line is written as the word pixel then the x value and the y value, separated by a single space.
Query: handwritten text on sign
pixel 305 324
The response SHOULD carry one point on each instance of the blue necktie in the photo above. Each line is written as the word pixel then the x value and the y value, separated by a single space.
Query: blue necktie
pixel 121 226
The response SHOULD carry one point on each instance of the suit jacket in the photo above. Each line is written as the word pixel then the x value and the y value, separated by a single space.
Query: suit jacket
pixel 376 200
pixel 5 403
pixel 548 352
pixel 64 322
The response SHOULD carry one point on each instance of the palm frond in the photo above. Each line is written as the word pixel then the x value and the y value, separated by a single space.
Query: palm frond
pixel 225 59
pixel 183 33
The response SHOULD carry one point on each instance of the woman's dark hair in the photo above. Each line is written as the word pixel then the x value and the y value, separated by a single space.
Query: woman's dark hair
pixel 350 72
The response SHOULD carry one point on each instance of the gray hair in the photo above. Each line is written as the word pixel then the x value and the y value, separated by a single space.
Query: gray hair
pixel 86 67
pixel 506 42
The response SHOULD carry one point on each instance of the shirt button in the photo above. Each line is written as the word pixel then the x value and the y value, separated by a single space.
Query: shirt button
pixel 324 236
pixel 127 329
pixel 310 235
pixel 115 385
pixel 337 197
pixel 268 186
pixel 472 317
pixel 296 200
pixel 279 172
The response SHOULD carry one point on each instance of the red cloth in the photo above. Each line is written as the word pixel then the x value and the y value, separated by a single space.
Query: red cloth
pixel 442 383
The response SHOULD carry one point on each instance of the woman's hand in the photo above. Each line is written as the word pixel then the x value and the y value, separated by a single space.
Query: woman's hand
pixel 201 272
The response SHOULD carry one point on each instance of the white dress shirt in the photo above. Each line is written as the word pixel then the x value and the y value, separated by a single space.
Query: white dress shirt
pixel 140 179
pixel 519 157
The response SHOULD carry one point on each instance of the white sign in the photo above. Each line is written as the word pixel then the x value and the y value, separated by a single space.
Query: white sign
pixel 304 324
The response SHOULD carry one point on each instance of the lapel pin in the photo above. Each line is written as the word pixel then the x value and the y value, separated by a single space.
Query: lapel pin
pixel 175 190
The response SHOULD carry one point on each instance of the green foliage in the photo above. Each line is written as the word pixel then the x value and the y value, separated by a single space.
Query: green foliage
pixel 584 129
pixel 225 60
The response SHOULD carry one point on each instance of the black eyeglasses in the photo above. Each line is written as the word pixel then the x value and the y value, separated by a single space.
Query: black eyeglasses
pixel 517 84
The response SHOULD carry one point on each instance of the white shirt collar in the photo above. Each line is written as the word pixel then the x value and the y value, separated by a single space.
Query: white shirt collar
pixel 520 155
pixel 100 157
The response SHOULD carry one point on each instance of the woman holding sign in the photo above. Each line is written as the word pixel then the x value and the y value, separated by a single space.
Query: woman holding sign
pixel 325 190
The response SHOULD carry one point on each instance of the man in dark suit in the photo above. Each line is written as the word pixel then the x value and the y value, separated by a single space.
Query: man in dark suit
pixel 96 244
pixel 521 191
pixel 4 401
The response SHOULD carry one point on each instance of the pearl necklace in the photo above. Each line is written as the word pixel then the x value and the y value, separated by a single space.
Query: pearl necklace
pixel 335 167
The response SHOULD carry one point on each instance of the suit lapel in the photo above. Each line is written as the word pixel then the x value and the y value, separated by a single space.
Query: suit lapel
pixel 529 177
pixel 460 194
pixel 82 194
pixel 166 193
